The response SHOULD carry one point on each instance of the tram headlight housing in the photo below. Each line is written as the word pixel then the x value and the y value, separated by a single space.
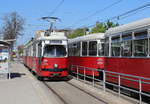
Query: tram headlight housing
pixel 55 65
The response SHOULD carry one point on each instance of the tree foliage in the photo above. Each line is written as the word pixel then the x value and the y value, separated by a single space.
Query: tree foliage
pixel 100 27
pixel 13 26
pixel 77 32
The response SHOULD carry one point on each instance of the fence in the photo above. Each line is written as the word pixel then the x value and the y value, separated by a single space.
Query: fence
pixel 118 76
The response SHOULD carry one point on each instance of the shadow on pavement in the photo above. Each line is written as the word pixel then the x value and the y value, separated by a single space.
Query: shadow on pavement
pixel 16 75
pixel 58 79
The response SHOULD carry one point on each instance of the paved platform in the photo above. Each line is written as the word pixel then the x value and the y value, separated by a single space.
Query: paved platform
pixel 23 88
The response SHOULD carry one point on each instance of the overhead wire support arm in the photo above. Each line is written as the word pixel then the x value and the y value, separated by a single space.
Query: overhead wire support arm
pixel 52 20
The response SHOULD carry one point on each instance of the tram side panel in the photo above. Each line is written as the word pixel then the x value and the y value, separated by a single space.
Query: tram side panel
pixel 87 62
pixel 129 47
pixel 132 66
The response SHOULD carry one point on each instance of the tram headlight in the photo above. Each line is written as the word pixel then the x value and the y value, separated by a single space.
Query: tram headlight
pixel 55 65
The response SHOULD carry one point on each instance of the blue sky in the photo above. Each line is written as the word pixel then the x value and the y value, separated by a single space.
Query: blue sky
pixel 70 12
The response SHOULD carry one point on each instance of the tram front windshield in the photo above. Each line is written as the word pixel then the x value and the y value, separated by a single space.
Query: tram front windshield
pixel 55 51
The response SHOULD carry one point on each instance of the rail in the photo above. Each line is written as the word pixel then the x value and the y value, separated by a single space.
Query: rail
pixel 119 76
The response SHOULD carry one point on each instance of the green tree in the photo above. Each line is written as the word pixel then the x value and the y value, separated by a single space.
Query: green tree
pixel 110 24
pixel 78 32
pixel 99 27
pixel 102 27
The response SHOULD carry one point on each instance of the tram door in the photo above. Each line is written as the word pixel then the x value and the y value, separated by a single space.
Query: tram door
pixel 39 54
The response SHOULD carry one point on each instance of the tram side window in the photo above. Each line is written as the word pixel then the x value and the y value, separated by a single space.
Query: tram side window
pixel 101 49
pixel 106 46
pixel 141 43
pixel 115 46
pixel 84 48
pixel 126 46
pixel 140 35
pixel 141 47
pixel 93 48
pixel 69 49
pixel 77 49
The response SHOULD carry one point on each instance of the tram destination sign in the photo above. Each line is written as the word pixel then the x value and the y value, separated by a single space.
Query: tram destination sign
pixel 54 42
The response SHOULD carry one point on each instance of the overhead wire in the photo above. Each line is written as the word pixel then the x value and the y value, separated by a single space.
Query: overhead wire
pixel 96 12
pixel 57 7
pixel 124 15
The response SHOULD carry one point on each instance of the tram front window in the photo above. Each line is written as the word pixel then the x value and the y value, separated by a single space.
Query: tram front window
pixel 55 51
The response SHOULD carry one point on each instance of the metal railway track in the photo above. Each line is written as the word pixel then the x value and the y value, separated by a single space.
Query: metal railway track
pixel 64 101
pixel 60 97
pixel 87 93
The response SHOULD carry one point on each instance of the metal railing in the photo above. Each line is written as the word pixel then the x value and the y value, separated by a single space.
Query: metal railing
pixel 118 76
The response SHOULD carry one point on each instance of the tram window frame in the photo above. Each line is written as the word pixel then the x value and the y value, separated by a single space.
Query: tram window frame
pixel 70 50
pixel 93 48
pixel 78 49
pixel 141 34
pixel 126 48
pixel 106 47
pixel 126 36
pixel 126 44
pixel 116 40
pixel 144 52
pixel 84 50
pixel 101 49
pixel 117 52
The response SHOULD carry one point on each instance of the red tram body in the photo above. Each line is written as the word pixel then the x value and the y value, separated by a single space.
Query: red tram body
pixel 129 52
pixel 46 55
pixel 86 51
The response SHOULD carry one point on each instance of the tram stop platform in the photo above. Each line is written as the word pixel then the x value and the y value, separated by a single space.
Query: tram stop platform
pixel 24 88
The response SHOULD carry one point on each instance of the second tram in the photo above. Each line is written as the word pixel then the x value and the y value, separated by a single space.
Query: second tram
pixel 87 51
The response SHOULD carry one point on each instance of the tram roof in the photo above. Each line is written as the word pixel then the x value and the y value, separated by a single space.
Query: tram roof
pixel 88 37
pixel 128 27
pixel 53 36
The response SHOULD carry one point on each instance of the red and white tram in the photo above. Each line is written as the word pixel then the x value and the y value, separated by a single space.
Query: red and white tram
pixel 129 52
pixel 46 54
pixel 87 51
